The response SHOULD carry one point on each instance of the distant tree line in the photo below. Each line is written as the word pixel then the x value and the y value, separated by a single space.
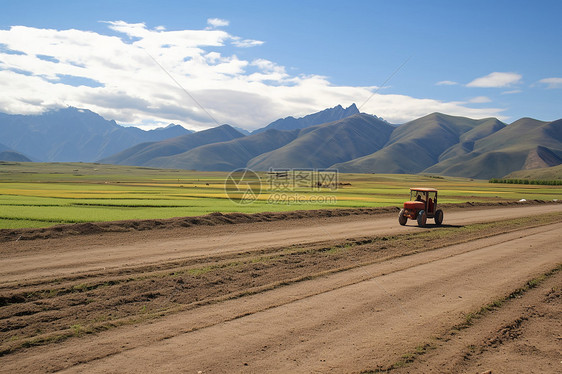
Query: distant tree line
pixel 527 181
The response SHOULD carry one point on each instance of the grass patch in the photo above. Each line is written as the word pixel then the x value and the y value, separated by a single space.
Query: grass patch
pixel 80 287
pixel 77 329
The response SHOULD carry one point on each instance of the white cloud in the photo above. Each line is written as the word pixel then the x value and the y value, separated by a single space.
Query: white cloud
pixel 446 83
pixel 480 100
pixel 246 43
pixel 268 71
pixel 133 70
pixel 401 108
pixel 130 29
pixel 496 79
pixel 552 82
pixel 217 22
pixel 510 92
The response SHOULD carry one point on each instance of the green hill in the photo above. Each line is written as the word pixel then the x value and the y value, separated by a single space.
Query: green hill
pixel 226 156
pixel 143 154
pixel 8 154
pixel 13 156
pixel 417 145
pixel 524 144
pixel 467 140
pixel 323 145
pixel 551 173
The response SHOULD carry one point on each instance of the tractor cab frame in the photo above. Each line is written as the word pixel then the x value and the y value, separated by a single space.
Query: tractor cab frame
pixel 421 206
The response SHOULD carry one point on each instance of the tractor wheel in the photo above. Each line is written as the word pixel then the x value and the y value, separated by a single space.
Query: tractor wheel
pixel 402 218
pixel 422 218
pixel 438 217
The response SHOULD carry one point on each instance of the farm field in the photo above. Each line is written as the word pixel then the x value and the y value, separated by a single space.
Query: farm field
pixel 42 195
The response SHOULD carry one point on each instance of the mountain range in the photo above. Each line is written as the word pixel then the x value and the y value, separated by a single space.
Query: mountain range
pixel 333 138
pixel 361 143
pixel 424 142
pixel 342 140
pixel 321 146
pixel 458 146
pixel 327 115
pixel 147 154
pixel 73 134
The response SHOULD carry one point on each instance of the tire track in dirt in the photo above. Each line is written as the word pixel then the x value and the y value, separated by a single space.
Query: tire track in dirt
pixel 330 331
pixel 332 334
pixel 521 335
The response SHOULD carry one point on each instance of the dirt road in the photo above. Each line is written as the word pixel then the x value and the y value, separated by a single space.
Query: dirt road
pixel 25 260
pixel 358 318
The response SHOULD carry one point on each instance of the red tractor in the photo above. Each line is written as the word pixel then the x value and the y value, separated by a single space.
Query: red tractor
pixel 422 205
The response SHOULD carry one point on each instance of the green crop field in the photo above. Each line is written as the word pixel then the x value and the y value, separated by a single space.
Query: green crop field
pixel 40 195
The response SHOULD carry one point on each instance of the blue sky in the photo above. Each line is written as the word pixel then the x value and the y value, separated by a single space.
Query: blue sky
pixel 248 63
